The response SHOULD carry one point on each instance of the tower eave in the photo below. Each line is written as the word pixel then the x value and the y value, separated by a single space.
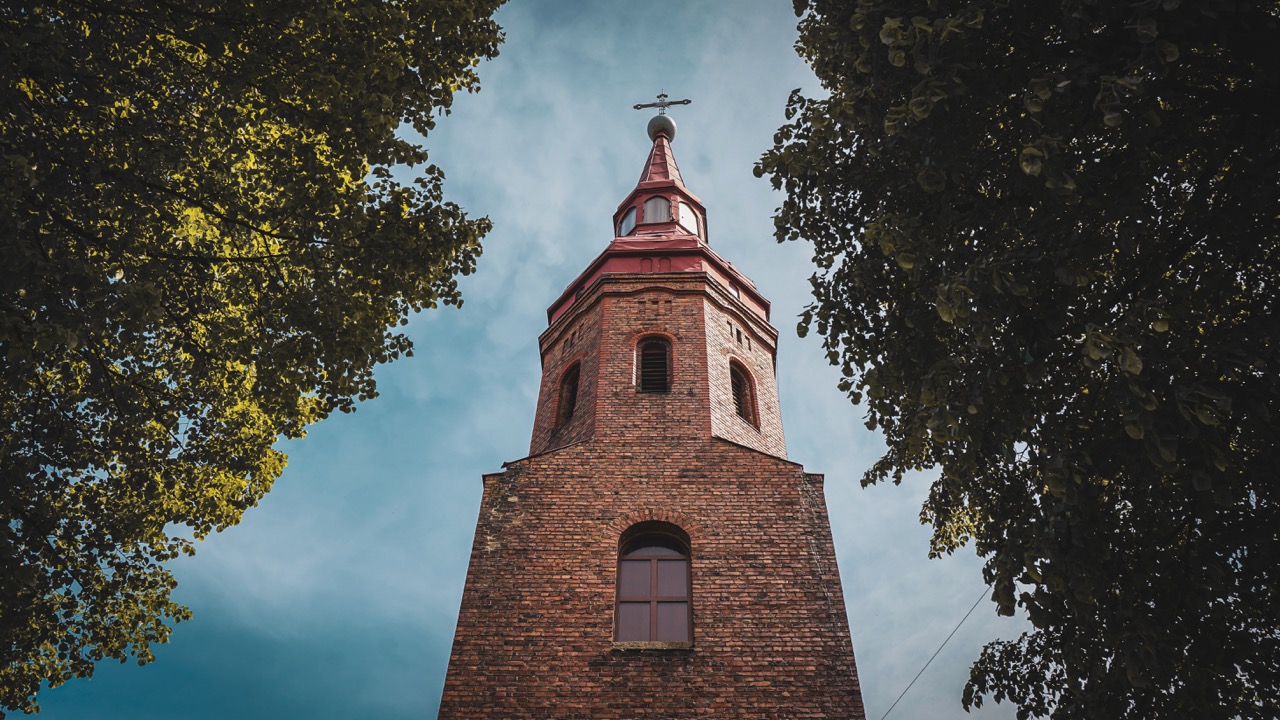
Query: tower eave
pixel 686 254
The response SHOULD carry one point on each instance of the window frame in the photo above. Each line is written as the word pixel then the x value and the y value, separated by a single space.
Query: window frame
pixel 630 549
pixel 641 373
pixel 745 405
pixel 627 224
pixel 574 372
pixel 685 213
pixel 644 210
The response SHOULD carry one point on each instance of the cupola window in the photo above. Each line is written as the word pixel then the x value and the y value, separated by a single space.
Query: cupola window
pixel 688 218
pixel 657 209
pixel 628 222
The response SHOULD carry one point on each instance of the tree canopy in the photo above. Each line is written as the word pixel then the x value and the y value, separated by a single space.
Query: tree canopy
pixel 204 251
pixel 1047 253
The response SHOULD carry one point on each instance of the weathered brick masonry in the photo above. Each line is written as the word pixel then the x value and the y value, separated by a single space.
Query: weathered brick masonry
pixel 536 632
pixel 701 321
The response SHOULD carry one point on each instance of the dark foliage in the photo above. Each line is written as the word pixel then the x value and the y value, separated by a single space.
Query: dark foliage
pixel 1048 250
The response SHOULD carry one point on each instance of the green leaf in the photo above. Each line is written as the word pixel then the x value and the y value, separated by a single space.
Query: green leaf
pixel 1133 428
pixel 1030 160
pixel 1130 361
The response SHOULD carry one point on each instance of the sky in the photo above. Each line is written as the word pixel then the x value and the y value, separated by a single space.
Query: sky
pixel 337 596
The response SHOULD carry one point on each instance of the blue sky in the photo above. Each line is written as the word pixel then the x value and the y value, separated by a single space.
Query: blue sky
pixel 337 596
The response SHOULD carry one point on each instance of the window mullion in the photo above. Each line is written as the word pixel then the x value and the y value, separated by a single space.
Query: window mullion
pixel 688 597
pixel 653 602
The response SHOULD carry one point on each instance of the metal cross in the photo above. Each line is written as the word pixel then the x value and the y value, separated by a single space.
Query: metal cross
pixel 662 103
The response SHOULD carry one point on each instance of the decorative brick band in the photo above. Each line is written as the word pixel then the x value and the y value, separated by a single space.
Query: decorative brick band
pixel 657 331
pixel 675 517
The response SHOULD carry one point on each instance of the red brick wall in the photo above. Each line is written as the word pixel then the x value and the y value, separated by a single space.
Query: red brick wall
pixel 575 339
pixel 732 334
pixel 635 307
pixel 702 321
pixel 535 632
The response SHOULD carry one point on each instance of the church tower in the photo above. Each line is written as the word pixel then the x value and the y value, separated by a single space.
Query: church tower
pixel 656 555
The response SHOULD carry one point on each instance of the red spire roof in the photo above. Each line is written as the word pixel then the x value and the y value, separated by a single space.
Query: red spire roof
pixel 661 165
pixel 661 227
pixel 660 177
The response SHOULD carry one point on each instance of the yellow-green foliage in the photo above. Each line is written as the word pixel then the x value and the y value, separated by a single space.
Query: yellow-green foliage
pixel 202 250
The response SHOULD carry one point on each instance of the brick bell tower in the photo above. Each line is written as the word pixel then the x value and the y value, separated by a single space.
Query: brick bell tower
pixel 656 555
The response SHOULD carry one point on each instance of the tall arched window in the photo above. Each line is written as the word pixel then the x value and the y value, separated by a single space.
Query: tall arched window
pixel 656 210
pixel 653 366
pixel 654 598
pixel 744 396
pixel 568 399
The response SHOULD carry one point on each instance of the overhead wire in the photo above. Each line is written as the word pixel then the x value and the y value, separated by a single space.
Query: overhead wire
pixel 935 653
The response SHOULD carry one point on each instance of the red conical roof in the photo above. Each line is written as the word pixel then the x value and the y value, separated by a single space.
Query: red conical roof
pixel 660 177
pixel 661 165
pixel 662 237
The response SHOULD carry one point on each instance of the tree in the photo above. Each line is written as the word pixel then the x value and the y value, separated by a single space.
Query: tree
pixel 1047 246
pixel 204 250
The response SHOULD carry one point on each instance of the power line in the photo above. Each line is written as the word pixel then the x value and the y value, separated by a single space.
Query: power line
pixel 935 653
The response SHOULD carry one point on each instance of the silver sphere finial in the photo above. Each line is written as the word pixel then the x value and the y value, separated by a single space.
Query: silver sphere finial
pixel 662 124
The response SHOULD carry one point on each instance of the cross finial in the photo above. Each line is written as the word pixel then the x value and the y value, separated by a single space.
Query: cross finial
pixel 662 104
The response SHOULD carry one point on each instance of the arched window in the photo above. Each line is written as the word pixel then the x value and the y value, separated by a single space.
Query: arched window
pixel 628 222
pixel 657 209
pixel 654 599
pixel 653 366
pixel 744 396
pixel 568 401
pixel 689 218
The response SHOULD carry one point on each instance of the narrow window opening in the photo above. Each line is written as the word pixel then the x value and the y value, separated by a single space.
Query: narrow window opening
pixel 743 393
pixel 568 396
pixel 654 366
